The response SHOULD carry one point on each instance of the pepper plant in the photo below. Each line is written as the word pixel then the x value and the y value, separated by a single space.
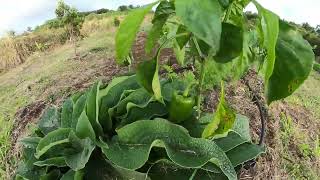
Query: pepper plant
pixel 147 126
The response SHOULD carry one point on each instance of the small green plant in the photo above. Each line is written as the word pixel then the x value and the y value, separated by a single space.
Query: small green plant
pixel 116 22
pixel 148 127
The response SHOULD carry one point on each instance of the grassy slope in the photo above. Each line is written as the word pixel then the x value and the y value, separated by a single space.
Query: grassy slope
pixel 49 77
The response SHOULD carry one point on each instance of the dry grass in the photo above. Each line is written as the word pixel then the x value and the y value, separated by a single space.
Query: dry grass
pixel 15 50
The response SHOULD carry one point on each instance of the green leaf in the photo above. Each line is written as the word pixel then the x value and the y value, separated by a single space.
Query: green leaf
pixel 92 108
pixel 49 121
pixel 164 169
pixel 231 43
pixel 149 110
pixel 56 161
pixel 73 175
pixel 148 76
pixel 52 175
pixel 239 134
pixel 293 63
pixel 203 19
pixel 110 96
pixel 269 23
pixel 163 11
pixel 131 148
pixel 179 52
pixel 84 128
pixel 223 120
pixel 78 108
pixel 183 40
pixel 66 114
pixel 77 161
pixel 139 97
pixel 52 139
pixel 128 30
pixel 224 3
pixel 30 142
pixel 101 169
pixel 245 152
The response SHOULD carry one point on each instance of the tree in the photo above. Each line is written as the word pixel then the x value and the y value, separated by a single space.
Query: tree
pixel 123 8
pixel 71 20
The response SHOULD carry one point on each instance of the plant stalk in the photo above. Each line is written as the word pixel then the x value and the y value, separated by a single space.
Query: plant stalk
pixel 201 81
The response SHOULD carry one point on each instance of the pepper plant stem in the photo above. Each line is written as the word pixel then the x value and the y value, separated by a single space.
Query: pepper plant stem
pixel 201 80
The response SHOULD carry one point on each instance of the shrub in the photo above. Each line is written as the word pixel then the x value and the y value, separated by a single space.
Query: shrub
pixel 116 21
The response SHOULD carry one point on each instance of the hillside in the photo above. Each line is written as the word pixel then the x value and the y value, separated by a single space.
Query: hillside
pixel 47 77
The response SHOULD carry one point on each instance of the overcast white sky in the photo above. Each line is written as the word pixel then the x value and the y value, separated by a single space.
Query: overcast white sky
pixel 17 15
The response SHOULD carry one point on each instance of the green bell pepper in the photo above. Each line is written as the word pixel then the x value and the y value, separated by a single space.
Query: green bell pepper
pixel 181 107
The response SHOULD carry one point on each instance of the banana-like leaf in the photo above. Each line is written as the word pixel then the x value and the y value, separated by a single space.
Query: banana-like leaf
pixel 52 175
pixel 131 148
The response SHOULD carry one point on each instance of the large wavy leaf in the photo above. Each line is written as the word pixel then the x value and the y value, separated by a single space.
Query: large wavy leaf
pixel 56 161
pixel 99 168
pixel 73 175
pixel 110 96
pixel 127 32
pixel 49 121
pixel 66 114
pixel 139 97
pixel 148 110
pixel 164 169
pixel 244 152
pixel 84 147
pixel 52 139
pixel 131 148
pixel 203 19
pixel 293 63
